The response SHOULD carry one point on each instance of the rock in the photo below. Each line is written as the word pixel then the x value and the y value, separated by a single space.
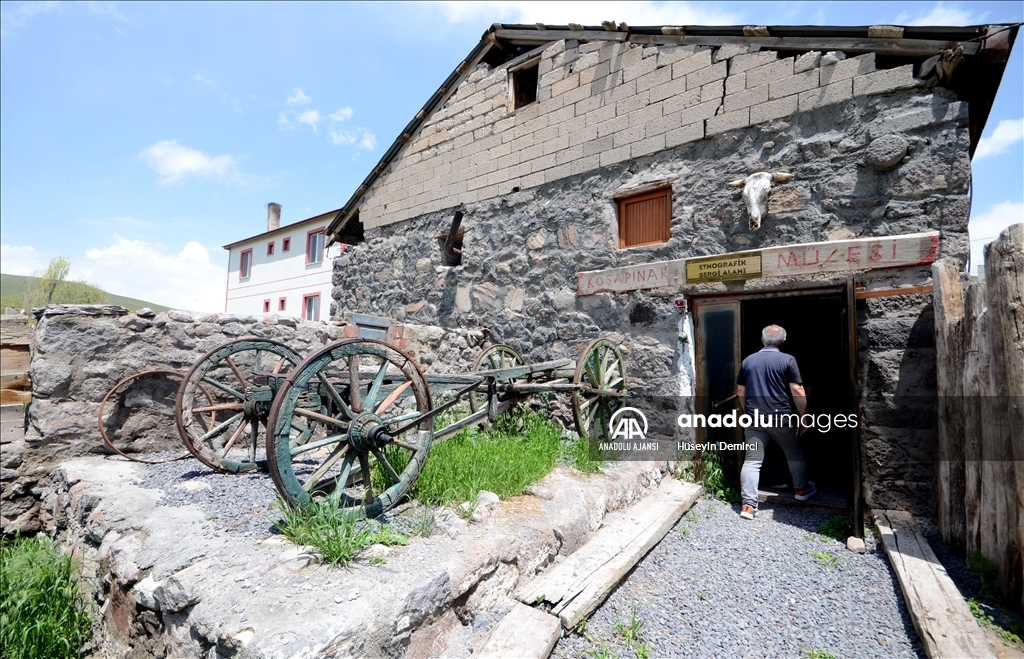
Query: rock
pixel 168 596
pixel 886 152
pixel 145 312
pixel 832 57
pixel 856 545
pixel 122 559
pixel 540 491
pixel 536 241
pixel 806 62
pixel 487 505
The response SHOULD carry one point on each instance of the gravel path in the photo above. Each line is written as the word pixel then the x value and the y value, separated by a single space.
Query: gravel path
pixel 720 586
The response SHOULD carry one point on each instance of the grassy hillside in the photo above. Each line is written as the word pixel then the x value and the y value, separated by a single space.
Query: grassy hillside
pixel 13 287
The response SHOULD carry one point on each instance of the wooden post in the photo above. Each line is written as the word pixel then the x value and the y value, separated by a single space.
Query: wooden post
pixel 976 379
pixel 949 484
pixel 1004 270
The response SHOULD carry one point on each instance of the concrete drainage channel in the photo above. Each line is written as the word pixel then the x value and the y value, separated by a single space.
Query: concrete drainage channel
pixel 170 582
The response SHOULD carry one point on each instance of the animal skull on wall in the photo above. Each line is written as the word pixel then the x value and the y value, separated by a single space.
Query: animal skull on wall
pixel 755 193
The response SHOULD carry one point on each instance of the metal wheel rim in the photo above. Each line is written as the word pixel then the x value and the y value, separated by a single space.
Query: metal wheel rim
pixel 103 403
pixel 196 377
pixel 601 360
pixel 283 446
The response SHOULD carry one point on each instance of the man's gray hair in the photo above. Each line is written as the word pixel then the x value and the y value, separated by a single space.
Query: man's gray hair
pixel 773 336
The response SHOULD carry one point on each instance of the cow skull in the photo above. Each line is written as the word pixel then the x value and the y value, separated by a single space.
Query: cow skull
pixel 755 193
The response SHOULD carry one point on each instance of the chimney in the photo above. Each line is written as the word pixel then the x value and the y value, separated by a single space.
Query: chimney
pixel 273 216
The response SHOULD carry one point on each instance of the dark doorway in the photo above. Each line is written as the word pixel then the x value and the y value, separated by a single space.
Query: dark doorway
pixel 816 324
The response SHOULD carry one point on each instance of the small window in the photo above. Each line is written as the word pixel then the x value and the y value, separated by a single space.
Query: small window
pixel 282 304
pixel 646 218
pixel 266 306
pixel 524 85
pixel 270 248
pixel 315 247
pixel 245 264
pixel 286 244
pixel 312 307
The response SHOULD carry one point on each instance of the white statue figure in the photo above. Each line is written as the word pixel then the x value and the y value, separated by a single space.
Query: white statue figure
pixel 755 193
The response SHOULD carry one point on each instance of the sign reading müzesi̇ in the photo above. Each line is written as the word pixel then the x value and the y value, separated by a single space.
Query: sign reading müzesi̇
pixel 785 261
pixel 724 267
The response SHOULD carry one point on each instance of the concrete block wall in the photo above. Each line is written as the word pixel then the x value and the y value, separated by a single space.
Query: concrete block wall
pixel 602 103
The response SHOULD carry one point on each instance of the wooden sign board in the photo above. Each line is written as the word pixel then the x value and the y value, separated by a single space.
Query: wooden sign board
pixel 786 261
pixel 722 268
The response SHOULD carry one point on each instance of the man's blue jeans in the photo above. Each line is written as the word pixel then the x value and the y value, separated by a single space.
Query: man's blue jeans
pixel 752 460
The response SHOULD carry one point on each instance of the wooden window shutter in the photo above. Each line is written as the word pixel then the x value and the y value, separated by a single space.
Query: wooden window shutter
pixel 646 218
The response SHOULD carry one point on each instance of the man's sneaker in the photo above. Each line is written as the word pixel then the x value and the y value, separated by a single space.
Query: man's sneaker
pixel 748 512
pixel 809 491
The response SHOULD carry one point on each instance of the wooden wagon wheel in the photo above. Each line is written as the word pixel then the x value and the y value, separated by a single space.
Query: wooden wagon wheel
pixel 601 382
pixel 346 418
pixel 224 398
pixel 495 358
pixel 118 392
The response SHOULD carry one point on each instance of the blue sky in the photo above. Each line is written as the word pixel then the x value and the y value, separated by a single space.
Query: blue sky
pixel 139 138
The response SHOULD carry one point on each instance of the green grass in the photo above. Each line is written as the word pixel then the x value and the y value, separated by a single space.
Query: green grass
pixel 500 459
pixel 711 474
pixel 42 606
pixel 578 453
pixel 819 653
pixel 837 528
pixel 14 287
pixel 1008 625
pixel 828 560
pixel 337 533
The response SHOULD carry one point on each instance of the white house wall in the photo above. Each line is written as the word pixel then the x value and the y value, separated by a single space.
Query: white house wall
pixel 281 275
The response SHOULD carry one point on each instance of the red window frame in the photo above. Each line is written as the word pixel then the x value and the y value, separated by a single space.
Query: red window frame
pixel 309 237
pixel 266 305
pixel 282 304
pixel 270 248
pixel 243 271
pixel 286 244
pixel 304 307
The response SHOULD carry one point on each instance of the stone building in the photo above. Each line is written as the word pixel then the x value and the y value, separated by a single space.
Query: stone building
pixel 592 165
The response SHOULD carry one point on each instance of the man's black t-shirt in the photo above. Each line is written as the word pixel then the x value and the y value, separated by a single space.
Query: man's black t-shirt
pixel 767 374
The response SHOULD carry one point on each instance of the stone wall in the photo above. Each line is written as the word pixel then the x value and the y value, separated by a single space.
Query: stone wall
pixel 81 352
pixel 602 103
pixel 522 250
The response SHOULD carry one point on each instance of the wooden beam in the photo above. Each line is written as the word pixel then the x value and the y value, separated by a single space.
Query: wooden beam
pixel 891 292
pixel 940 615
pixel 524 632
pixel 526 37
pixel 580 583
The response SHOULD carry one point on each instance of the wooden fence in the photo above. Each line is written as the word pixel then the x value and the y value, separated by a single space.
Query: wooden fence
pixel 979 337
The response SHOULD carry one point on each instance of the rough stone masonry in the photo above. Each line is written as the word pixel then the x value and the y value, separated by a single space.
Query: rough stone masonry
pixel 874 153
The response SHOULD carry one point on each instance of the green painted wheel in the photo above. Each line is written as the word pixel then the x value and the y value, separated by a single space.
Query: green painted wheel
pixel 225 397
pixel 495 358
pixel 601 382
pixel 346 418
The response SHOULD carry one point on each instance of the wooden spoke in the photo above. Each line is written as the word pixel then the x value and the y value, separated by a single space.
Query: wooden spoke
pixel 378 380
pixel 326 441
pixel 238 373
pixel 346 469
pixel 340 423
pixel 231 442
pixel 219 407
pixel 401 417
pixel 387 465
pixel 364 470
pixel 223 387
pixel 221 428
pixel 335 396
pixel 277 368
pixel 354 394
pixel 392 397
pixel 338 453
pixel 405 445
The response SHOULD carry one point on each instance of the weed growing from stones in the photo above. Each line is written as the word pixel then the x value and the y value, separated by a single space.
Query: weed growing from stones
pixel 711 473
pixel 424 523
pixel 819 653
pixel 837 528
pixel 988 611
pixel 337 533
pixel 828 560
pixel 42 607
pixel 630 633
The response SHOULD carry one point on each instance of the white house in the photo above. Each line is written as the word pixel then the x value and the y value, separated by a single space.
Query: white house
pixel 285 270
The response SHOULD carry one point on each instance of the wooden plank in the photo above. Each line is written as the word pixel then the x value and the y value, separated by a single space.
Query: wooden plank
pixel 579 584
pixel 15 381
pixel 14 360
pixel 15 331
pixel 975 386
pixel 524 633
pixel 631 278
pixel 893 292
pixel 12 396
pixel 940 615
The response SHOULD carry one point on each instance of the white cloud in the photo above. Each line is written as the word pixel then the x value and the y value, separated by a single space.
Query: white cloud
pixel 590 13
pixel 14 16
pixel 206 82
pixel 943 13
pixel 360 136
pixel 283 122
pixel 174 162
pixel 343 114
pixel 986 227
pixel 21 260
pixel 185 280
pixel 310 118
pixel 1006 133
pixel 369 140
pixel 298 98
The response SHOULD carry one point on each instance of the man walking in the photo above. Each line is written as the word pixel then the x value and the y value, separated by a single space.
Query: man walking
pixel 766 380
